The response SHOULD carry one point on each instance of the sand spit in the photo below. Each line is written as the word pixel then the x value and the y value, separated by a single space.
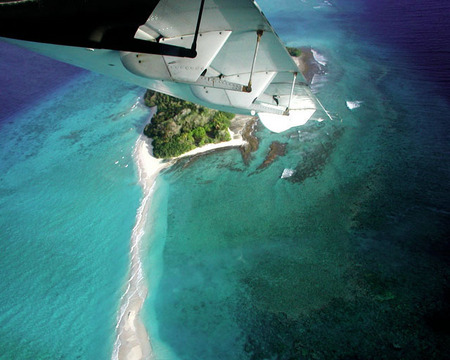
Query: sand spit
pixel 132 341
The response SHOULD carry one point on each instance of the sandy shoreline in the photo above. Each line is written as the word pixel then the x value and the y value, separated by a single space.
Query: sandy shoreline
pixel 132 341
pixel 131 336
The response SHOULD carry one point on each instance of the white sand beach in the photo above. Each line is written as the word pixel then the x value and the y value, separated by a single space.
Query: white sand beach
pixel 236 141
pixel 132 341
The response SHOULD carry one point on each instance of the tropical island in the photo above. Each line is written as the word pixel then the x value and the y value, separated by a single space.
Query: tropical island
pixel 180 126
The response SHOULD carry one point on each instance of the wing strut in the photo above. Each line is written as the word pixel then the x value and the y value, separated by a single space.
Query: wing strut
pixel 248 88
pixel 194 43
pixel 286 112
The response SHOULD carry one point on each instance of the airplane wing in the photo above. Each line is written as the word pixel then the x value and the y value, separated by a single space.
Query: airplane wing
pixel 218 53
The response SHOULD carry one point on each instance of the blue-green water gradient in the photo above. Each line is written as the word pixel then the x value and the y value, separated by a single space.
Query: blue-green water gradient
pixel 69 195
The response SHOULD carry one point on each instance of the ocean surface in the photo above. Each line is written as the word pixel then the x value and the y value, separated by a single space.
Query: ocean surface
pixel 345 256
pixel 69 195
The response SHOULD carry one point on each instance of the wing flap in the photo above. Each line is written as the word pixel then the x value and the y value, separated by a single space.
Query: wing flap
pixel 177 69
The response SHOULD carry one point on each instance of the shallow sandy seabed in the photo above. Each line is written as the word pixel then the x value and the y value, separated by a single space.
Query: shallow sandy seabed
pixel 132 340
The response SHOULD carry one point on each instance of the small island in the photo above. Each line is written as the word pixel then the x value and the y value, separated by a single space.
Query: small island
pixel 294 52
pixel 306 62
pixel 180 126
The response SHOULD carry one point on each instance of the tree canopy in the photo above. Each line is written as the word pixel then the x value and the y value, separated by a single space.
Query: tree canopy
pixel 180 126
pixel 294 51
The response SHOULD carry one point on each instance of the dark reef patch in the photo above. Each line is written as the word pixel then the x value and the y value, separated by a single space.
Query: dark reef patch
pixel 248 134
pixel 276 149
pixel 315 156
pixel 362 329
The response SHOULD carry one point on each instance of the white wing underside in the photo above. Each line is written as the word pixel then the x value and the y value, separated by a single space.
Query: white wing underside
pixel 218 75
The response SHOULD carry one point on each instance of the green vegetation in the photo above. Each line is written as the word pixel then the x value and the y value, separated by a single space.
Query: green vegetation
pixel 294 51
pixel 180 126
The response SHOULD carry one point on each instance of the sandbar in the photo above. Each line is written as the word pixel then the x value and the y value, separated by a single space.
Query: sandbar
pixel 132 341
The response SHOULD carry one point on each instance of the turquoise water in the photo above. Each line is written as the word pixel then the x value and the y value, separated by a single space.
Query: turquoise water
pixel 69 195
pixel 345 259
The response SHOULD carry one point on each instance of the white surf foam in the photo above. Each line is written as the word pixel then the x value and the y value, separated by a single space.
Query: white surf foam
pixel 322 60
pixel 287 173
pixel 323 5
pixel 353 104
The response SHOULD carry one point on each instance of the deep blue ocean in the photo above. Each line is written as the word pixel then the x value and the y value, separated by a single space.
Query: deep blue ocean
pixel 348 258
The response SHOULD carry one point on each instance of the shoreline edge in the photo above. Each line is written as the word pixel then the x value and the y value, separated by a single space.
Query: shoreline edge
pixel 132 340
